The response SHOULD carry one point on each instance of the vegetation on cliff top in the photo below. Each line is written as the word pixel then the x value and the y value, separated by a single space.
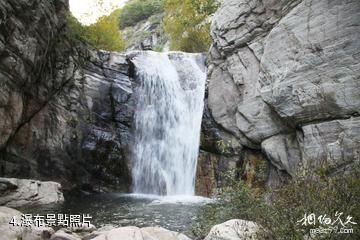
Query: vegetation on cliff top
pixel 104 34
pixel 137 10
pixel 186 23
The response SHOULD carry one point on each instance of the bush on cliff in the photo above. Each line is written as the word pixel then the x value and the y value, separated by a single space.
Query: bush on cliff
pixel 137 10
pixel 187 24
pixel 285 207
pixel 104 34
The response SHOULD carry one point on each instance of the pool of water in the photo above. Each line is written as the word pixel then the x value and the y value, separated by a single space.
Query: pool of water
pixel 175 213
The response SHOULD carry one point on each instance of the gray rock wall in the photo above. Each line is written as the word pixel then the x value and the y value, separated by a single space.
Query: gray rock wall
pixel 285 78
pixel 66 111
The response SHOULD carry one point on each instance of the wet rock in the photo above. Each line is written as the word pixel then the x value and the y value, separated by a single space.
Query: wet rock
pixel 210 170
pixel 23 192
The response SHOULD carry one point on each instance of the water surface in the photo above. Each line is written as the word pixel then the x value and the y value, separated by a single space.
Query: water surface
pixel 175 213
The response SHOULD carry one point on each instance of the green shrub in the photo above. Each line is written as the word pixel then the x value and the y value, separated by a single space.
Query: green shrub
pixel 75 30
pixel 187 24
pixel 104 34
pixel 138 10
pixel 285 206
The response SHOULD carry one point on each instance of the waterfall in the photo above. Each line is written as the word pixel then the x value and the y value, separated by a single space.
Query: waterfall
pixel 170 95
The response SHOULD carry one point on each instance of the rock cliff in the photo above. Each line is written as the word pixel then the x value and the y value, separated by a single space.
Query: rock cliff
pixel 65 110
pixel 146 35
pixel 284 79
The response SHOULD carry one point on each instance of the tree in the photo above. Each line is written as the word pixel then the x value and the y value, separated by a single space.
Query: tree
pixel 137 10
pixel 187 24
pixel 104 34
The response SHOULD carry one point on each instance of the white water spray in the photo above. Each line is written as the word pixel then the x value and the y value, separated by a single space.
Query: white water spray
pixel 168 115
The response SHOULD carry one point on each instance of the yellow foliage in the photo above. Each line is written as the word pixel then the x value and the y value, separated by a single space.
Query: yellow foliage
pixel 104 34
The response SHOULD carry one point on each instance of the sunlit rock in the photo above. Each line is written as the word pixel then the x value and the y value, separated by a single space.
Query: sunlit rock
pixel 237 229
pixel 23 192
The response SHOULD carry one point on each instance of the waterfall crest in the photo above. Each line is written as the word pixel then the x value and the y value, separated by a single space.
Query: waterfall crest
pixel 168 115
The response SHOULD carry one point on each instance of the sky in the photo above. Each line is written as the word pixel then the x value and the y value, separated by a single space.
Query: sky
pixel 87 11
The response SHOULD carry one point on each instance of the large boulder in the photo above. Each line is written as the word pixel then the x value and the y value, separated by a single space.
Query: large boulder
pixel 23 192
pixel 237 229
pixel 9 218
pixel 37 233
pixel 147 233
pixel 8 231
pixel 150 233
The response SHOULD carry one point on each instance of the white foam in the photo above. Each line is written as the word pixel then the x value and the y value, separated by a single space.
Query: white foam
pixel 172 199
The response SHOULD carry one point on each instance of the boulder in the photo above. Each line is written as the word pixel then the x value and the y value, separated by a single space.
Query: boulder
pixel 82 228
pixel 64 235
pixel 237 229
pixel 146 233
pixel 37 233
pixel 8 231
pixel 129 233
pixel 158 233
pixel 23 192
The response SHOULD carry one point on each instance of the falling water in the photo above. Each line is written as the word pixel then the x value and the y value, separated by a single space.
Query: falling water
pixel 168 116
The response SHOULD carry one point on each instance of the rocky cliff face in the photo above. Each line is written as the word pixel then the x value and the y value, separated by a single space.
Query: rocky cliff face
pixel 285 80
pixel 147 35
pixel 283 94
pixel 65 110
